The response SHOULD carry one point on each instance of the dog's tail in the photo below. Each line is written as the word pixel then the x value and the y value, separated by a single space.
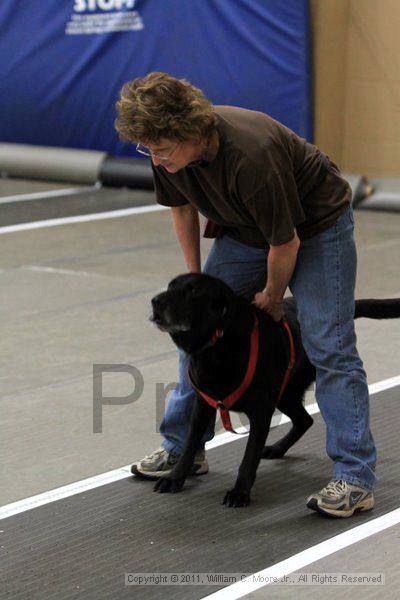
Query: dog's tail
pixel 378 309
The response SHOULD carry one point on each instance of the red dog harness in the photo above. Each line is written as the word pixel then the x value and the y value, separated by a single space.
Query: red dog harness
pixel 225 404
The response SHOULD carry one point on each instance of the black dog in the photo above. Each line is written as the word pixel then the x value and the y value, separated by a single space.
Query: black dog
pixel 212 324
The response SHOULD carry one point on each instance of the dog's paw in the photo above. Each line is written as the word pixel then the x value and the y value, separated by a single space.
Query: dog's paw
pixel 236 498
pixel 165 484
pixel 272 452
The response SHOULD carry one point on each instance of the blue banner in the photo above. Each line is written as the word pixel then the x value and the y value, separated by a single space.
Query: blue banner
pixel 63 62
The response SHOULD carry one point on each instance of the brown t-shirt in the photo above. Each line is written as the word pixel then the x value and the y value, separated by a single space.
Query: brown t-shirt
pixel 264 182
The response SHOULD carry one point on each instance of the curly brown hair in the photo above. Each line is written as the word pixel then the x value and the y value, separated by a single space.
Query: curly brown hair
pixel 160 106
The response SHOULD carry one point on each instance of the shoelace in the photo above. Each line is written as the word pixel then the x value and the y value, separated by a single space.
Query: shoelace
pixel 160 451
pixel 335 488
pixel 154 454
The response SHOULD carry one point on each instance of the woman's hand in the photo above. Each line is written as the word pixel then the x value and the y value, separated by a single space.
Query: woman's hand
pixel 273 307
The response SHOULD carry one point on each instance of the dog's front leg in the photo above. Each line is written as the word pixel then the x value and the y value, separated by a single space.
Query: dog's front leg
pixel 239 495
pixel 201 416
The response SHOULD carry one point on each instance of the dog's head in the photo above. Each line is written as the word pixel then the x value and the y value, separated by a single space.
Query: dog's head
pixel 192 310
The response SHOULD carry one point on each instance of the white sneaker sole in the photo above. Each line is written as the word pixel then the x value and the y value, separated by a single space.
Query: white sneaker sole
pixel 136 470
pixel 362 506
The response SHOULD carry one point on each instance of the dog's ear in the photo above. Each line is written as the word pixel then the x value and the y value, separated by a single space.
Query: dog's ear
pixel 219 306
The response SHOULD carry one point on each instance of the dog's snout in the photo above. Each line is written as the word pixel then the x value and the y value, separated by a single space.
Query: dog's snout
pixel 158 303
pixel 155 302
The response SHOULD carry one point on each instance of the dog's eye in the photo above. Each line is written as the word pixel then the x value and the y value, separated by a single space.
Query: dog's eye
pixel 190 289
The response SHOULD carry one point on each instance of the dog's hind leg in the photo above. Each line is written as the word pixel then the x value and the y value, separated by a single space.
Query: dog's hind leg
pixel 301 421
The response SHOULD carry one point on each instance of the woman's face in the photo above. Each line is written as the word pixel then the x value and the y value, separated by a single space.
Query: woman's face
pixel 174 155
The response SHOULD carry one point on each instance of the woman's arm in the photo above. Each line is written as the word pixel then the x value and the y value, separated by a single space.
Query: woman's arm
pixel 281 264
pixel 187 230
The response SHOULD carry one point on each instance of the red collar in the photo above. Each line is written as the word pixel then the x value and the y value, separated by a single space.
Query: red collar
pixel 225 404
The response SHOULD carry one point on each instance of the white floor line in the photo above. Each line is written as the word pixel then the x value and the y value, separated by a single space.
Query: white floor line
pixel 14 508
pixel 385 384
pixel 111 214
pixel 306 557
pixel 49 194
pixel 53 271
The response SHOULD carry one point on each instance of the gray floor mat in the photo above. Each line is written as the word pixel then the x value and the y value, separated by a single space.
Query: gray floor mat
pixel 82 546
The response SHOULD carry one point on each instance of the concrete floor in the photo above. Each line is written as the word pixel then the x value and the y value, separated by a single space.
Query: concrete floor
pixel 379 557
pixel 77 295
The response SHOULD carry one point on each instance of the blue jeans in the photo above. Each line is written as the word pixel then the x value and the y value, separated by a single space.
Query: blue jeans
pixel 323 285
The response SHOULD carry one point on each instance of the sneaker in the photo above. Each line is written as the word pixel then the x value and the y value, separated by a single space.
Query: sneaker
pixel 341 499
pixel 161 462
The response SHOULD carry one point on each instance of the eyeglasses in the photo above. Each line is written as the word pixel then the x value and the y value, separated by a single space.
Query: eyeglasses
pixel 147 152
